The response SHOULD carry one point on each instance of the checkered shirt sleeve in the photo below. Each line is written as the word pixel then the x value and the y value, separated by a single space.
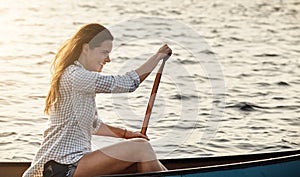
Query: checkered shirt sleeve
pixel 94 82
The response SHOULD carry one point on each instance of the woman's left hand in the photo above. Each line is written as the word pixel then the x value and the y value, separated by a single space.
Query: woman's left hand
pixel 130 134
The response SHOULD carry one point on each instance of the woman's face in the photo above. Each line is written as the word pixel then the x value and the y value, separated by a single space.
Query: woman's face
pixel 98 56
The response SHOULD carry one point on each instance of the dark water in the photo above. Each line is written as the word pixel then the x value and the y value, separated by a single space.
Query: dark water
pixel 231 86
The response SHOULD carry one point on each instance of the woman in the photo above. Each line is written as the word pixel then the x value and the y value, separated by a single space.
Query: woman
pixel 66 148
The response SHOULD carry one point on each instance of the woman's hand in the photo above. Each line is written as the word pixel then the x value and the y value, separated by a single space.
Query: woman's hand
pixel 145 69
pixel 164 52
pixel 129 135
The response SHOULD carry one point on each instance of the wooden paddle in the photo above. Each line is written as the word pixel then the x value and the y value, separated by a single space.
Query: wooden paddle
pixel 152 97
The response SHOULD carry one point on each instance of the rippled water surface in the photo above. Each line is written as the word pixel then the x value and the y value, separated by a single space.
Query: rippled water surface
pixel 254 43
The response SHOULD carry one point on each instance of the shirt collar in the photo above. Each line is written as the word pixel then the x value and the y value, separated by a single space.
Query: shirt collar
pixel 76 62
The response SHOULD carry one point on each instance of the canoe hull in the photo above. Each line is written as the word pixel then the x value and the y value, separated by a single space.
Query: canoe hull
pixel 277 164
pixel 278 169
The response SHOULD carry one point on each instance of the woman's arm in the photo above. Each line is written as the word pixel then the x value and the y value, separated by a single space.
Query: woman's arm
pixel 145 69
pixel 107 130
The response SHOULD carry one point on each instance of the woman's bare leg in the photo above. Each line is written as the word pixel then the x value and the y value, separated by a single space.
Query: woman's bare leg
pixel 134 155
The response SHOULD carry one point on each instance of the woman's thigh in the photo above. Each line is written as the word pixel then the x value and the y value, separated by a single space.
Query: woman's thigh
pixel 115 158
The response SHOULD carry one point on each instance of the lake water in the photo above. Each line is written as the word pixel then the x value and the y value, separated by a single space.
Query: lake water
pixel 231 87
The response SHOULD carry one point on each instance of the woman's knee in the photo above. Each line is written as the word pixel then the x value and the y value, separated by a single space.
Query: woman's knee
pixel 141 143
pixel 143 149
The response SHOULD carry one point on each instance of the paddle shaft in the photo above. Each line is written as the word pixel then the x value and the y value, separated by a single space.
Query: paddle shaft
pixel 152 97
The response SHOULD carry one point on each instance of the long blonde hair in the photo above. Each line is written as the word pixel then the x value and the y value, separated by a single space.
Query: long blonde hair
pixel 92 34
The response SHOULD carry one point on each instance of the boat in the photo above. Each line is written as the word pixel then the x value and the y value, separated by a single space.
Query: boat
pixel 271 164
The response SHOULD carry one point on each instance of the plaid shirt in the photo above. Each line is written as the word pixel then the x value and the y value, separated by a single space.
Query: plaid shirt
pixel 68 137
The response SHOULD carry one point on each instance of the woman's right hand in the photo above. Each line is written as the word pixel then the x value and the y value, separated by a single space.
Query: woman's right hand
pixel 164 52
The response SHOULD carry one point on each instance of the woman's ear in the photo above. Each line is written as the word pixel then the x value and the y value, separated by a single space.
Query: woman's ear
pixel 85 48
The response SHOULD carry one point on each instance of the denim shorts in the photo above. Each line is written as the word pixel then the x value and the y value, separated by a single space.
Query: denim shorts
pixel 55 169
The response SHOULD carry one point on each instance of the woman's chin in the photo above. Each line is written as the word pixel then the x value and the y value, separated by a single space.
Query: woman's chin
pixel 99 69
